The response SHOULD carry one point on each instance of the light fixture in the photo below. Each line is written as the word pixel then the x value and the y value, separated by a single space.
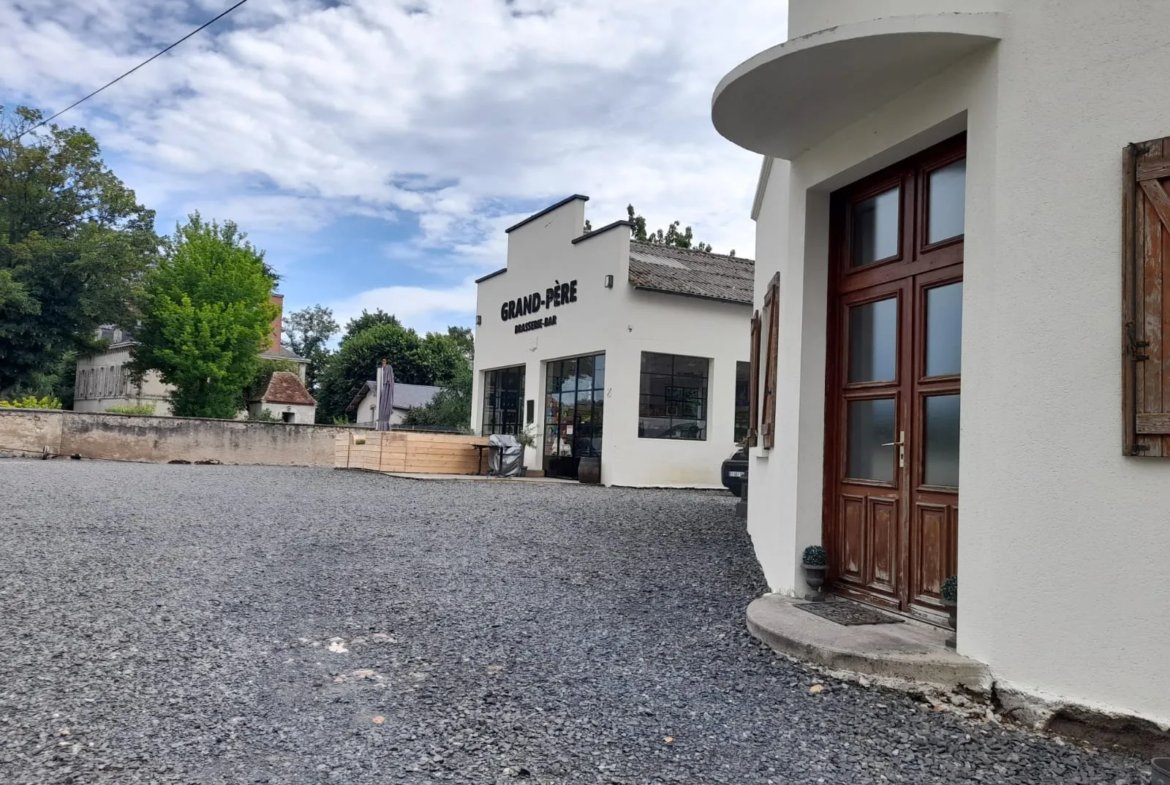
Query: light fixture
pixel 478 319
pixel 609 282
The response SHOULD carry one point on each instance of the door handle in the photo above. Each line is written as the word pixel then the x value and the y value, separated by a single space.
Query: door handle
pixel 901 445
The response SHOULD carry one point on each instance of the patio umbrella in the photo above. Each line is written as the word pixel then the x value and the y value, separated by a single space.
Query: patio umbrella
pixel 385 396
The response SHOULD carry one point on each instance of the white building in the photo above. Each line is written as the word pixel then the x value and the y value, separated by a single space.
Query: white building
pixel 613 349
pixel 103 380
pixel 406 397
pixel 942 200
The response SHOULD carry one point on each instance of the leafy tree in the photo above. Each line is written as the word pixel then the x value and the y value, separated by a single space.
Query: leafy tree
pixel 73 243
pixel 307 333
pixel 438 359
pixel 356 361
pixel 368 320
pixel 450 408
pixel 205 313
pixel 672 235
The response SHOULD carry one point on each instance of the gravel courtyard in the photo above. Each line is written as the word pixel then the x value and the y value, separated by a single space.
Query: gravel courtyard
pixel 210 624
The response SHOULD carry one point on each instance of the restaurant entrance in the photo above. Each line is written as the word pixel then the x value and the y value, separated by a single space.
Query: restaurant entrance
pixel 573 413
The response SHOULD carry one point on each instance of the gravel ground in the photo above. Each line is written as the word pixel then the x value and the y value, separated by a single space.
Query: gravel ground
pixel 208 624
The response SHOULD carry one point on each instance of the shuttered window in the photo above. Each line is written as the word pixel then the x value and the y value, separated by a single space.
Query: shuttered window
pixel 1145 301
pixel 754 382
pixel 771 324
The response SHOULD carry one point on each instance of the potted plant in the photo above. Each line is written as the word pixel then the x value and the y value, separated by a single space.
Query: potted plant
pixel 526 438
pixel 950 600
pixel 815 562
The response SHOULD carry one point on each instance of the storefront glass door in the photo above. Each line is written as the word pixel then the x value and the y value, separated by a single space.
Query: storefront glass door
pixel 574 407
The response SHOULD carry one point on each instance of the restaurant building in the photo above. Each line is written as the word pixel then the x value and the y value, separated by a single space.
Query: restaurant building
pixel 963 219
pixel 613 349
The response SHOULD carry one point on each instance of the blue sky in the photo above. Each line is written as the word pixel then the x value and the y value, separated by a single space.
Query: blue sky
pixel 377 149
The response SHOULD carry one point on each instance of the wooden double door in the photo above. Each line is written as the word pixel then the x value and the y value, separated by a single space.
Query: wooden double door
pixel 893 395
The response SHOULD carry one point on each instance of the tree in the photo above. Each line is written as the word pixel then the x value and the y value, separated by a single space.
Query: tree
pixel 73 243
pixel 436 359
pixel 307 333
pixel 368 320
pixel 672 235
pixel 450 408
pixel 205 312
pixel 356 361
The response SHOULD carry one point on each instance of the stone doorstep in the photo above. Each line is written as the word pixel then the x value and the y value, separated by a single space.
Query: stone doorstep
pixel 912 657
pixel 910 652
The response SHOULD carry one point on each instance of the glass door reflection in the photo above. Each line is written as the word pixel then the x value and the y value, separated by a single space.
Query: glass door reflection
pixel 574 413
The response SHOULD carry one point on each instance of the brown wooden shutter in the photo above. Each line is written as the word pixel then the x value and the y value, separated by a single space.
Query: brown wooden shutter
pixel 1145 304
pixel 772 325
pixel 754 385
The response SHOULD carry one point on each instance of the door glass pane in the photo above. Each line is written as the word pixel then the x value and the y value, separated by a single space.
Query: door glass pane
pixel 948 202
pixel 942 441
pixel 875 228
pixel 871 424
pixel 944 330
pixel 873 341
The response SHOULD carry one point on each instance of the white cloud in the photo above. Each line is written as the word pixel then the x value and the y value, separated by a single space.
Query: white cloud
pixel 368 107
pixel 424 309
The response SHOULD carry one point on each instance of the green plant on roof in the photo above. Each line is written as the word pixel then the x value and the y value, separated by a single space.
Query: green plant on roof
pixel 950 589
pixel 815 556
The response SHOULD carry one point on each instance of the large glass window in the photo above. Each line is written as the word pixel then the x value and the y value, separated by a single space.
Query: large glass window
pixel 743 394
pixel 503 401
pixel 574 409
pixel 673 397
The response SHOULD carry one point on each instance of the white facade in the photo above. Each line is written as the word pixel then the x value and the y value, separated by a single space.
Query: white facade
pixel 1054 518
pixel 366 412
pixel 103 382
pixel 620 322
pixel 285 412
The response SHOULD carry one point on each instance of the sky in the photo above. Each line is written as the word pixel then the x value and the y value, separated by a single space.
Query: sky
pixel 377 149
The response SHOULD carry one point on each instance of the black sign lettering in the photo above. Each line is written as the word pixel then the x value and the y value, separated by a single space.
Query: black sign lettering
pixel 554 296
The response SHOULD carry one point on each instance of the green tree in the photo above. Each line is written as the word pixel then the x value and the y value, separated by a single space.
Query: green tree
pixel 368 320
pixel 307 333
pixel 356 362
pixel 450 408
pixel 672 235
pixel 205 312
pixel 73 243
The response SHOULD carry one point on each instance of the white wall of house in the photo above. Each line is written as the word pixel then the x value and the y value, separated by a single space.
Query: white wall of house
pixel 367 411
pixel 1054 519
pixel 102 382
pixel 621 323
pixel 300 415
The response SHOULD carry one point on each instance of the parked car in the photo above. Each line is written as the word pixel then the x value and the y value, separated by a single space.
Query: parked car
pixel 734 472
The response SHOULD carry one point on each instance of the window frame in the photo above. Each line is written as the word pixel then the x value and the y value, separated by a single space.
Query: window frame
pixel 492 402
pixel 703 403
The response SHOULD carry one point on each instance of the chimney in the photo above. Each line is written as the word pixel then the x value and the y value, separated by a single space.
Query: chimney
pixel 278 322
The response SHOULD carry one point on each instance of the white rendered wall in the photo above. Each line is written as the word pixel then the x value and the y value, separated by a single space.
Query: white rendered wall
pixel 1053 517
pixel 94 393
pixel 810 16
pixel 302 415
pixel 620 323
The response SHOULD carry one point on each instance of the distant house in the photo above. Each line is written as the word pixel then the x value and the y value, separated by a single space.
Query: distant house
pixel 286 399
pixel 103 379
pixel 406 397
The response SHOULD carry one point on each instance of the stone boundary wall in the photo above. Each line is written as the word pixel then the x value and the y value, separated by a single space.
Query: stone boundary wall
pixel 128 437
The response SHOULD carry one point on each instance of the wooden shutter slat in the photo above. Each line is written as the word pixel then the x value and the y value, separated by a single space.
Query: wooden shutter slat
pixel 1153 169
pixel 1153 424
pixel 772 307
pixel 1145 316
pixel 1158 200
pixel 754 384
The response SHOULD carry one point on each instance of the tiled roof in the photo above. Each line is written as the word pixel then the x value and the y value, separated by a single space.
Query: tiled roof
pixel 283 353
pixel 286 387
pixel 664 268
pixel 406 396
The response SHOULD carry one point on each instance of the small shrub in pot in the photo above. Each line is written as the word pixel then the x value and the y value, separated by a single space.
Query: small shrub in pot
pixel 816 563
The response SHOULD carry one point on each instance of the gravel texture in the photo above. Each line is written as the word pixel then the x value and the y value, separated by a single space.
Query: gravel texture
pixel 214 624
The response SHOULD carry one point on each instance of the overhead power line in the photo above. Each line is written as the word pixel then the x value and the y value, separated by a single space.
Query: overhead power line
pixel 77 103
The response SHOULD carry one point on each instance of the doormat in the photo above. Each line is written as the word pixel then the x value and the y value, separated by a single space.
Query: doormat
pixel 849 614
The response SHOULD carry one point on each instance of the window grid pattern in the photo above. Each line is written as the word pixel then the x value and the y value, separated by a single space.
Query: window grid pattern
pixel 673 397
